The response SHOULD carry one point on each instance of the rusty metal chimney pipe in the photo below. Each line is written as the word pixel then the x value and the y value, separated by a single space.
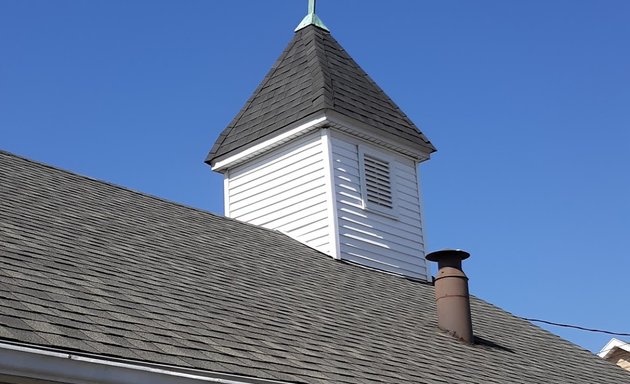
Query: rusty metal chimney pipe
pixel 451 293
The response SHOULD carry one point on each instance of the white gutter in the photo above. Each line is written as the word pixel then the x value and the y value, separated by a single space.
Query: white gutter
pixel 49 364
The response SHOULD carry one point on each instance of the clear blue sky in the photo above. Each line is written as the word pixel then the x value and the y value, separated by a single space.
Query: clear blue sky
pixel 528 103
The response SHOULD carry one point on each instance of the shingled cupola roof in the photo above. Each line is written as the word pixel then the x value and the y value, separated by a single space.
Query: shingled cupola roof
pixel 314 74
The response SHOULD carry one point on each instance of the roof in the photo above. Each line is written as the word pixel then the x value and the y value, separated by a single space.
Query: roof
pixel 314 74
pixel 95 268
pixel 612 346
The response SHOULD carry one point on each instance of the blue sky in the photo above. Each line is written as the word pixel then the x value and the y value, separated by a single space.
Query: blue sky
pixel 528 103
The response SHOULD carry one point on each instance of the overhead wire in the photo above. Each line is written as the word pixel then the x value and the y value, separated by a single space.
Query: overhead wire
pixel 576 327
pixel 623 343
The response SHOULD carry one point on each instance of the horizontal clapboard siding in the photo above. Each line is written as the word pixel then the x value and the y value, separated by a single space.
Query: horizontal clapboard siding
pixel 392 242
pixel 285 190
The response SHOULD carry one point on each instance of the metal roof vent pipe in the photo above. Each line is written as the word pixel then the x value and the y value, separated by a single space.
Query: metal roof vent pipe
pixel 451 293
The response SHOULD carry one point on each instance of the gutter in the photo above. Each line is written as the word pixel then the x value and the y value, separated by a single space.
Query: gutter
pixel 27 361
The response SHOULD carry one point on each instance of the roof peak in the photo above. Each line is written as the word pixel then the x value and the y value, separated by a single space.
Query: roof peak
pixel 311 18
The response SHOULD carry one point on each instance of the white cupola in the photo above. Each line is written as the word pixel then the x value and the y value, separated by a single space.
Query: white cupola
pixel 320 153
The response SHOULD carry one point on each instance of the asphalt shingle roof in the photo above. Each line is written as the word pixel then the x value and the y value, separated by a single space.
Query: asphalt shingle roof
pixel 91 267
pixel 313 74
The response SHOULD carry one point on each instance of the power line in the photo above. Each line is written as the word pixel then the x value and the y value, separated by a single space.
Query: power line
pixel 576 327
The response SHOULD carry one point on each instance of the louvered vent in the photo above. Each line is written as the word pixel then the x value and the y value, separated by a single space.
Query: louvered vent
pixel 377 182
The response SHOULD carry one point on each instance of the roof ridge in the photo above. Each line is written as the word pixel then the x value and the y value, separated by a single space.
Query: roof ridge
pixel 389 99
pixel 380 90
pixel 319 87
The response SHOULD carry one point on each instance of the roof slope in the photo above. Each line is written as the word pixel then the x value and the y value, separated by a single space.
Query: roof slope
pixel 313 74
pixel 95 268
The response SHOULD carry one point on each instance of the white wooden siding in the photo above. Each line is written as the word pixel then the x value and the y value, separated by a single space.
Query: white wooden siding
pixel 311 189
pixel 392 242
pixel 285 190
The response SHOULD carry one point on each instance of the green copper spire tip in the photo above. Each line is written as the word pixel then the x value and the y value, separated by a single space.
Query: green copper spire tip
pixel 311 18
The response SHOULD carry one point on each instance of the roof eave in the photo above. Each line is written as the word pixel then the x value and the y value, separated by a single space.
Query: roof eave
pixel 419 150
pixel 612 346
pixel 253 149
pixel 32 361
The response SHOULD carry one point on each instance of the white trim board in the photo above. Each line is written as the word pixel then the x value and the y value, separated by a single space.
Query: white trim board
pixel 377 137
pixel 226 193
pixel 333 222
pixel 266 145
pixel 336 120
pixel 610 347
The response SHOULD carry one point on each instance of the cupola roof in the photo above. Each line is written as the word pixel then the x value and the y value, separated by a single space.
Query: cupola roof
pixel 314 74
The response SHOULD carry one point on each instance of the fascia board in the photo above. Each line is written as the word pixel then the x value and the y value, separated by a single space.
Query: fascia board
pixel 610 347
pixel 339 121
pixel 289 133
pixel 61 366
pixel 367 132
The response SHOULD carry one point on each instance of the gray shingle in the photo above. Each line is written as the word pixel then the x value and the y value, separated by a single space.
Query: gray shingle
pixel 314 73
pixel 157 281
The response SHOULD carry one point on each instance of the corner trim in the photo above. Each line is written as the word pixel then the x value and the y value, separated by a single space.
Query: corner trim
pixel 226 193
pixel 329 170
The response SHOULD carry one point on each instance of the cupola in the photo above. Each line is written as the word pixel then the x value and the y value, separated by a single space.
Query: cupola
pixel 322 154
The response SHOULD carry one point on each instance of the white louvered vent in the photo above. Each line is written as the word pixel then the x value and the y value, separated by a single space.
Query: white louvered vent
pixel 377 182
